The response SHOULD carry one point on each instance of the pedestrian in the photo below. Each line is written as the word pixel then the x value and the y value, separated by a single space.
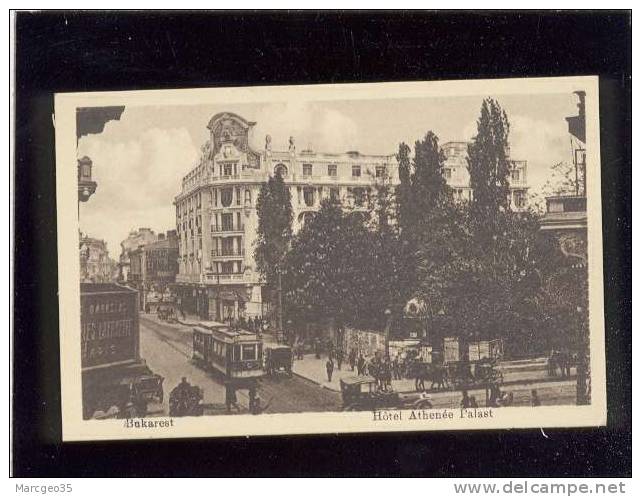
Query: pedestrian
pixel 466 401
pixel 351 357
pixel 230 398
pixel 552 363
pixel 360 365
pixel 535 401
pixel 329 366
pixel 317 347
pixel 339 358
pixel 395 368
pixel 473 403
pixel 387 374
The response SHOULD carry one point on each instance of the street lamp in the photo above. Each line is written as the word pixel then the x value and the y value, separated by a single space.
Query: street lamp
pixel 582 371
pixel 388 325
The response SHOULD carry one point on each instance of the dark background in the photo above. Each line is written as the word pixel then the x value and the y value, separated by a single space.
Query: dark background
pixel 65 51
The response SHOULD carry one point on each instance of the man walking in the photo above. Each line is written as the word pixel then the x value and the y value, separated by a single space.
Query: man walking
pixel 360 365
pixel 339 358
pixel 329 366
pixel 352 358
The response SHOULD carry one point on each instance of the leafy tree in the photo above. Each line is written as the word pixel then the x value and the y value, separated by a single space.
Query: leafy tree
pixel 274 208
pixel 488 163
pixel 428 184
pixel 404 189
pixel 327 268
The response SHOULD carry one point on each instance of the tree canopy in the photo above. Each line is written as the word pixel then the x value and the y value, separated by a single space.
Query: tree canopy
pixel 274 208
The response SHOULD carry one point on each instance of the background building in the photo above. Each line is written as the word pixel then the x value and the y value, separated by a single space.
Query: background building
pixel 458 177
pixel 153 267
pixel 136 239
pixel 95 264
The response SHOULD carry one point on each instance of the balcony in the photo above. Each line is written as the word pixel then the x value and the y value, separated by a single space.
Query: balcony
pixel 229 228
pixel 222 278
pixel 220 254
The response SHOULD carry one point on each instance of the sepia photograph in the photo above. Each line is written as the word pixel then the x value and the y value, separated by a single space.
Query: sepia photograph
pixel 407 253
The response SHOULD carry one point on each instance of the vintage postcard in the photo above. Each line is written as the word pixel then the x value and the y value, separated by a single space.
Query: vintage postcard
pixel 330 258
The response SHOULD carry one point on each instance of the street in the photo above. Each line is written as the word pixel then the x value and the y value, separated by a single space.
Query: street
pixel 167 350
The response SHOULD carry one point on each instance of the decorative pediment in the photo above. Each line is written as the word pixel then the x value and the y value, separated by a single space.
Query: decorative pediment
pixel 229 128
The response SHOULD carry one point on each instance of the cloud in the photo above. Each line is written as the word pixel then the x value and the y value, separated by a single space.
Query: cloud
pixel 137 177
pixel 541 143
pixel 311 125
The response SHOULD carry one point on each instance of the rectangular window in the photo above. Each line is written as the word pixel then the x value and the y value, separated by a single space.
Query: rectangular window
pixel 331 170
pixel 380 171
pixel 227 268
pixel 227 170
pixel 334 194
pixel 227 246
pixel 516 175
pixel 520 199
pixel 237 196
pixel 249 352
pixel 356 171
pixel 308 196
pixel 447 173
pixel 227 221
pixel 307 169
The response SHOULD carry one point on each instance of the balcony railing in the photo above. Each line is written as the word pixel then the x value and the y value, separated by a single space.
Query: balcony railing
pixel 228 253
pixel 227 228
pixel 224 277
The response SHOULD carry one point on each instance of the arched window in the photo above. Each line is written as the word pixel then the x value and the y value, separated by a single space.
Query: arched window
pixel 281 170
pixel 308 195
pixel 226 196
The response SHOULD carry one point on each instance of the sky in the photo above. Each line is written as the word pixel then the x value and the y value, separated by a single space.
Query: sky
pixel 139 161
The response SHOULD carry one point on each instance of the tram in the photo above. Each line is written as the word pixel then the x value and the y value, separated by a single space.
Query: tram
pixel 236 354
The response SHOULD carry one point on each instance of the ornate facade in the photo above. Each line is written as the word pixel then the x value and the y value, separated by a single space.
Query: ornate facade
pixel 216 217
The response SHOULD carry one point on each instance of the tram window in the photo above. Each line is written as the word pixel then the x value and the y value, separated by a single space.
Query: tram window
pixel 249 352
pixel 236 356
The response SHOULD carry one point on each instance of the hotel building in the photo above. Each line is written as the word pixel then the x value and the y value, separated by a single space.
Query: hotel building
pixel 216 218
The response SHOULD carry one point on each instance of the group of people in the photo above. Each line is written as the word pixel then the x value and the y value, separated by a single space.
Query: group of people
pixel 255 405
pixel 560 360
pixel 254 324
pixel 497 398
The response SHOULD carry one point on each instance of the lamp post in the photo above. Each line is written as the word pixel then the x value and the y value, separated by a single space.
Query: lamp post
pixel 388 325
pixel 582 371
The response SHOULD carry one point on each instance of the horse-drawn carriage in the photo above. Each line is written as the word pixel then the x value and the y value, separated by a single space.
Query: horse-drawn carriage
pixel 455 374
pixel 278 358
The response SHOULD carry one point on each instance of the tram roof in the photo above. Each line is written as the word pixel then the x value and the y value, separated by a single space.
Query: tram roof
pixel 225 331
